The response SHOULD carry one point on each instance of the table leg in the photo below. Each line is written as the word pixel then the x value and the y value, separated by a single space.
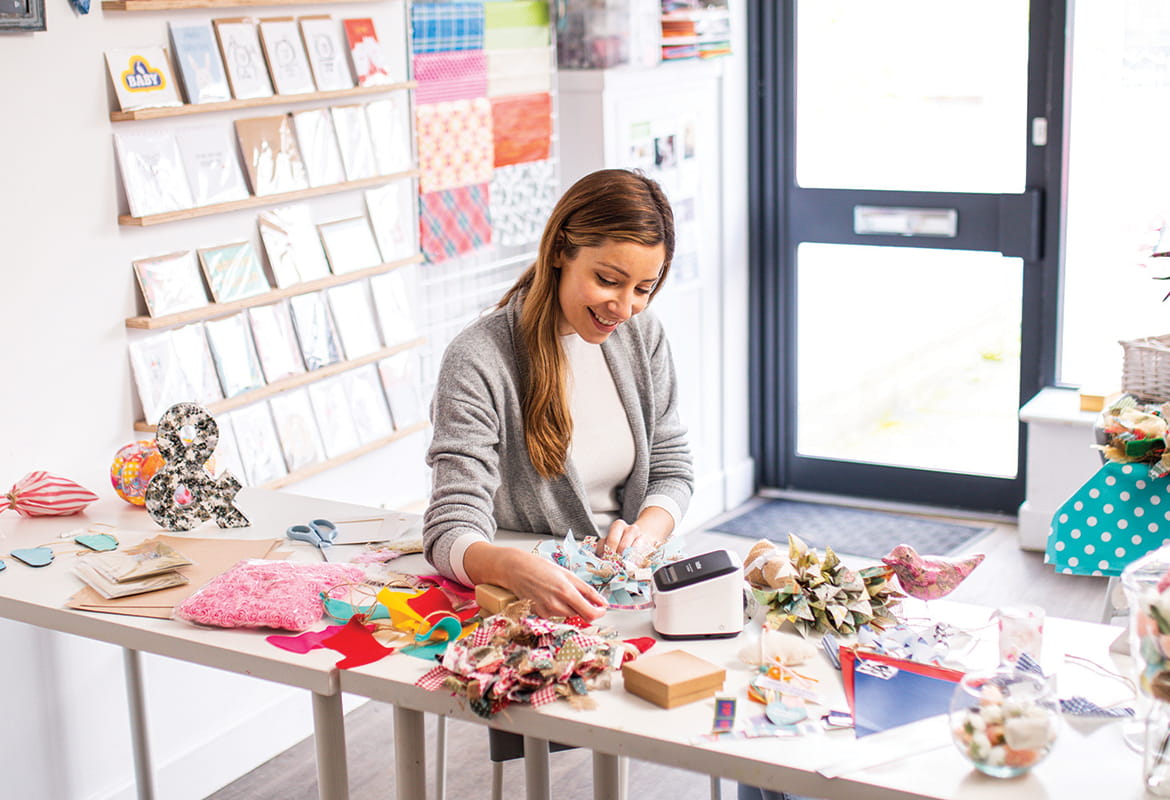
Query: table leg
pixel 410 753
pixel 606 776
pixel 329 736
pixel 441 758
pixel 140 737
pixel 536 771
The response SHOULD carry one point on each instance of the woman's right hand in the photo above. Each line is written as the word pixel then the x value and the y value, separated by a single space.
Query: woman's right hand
pixel 553 590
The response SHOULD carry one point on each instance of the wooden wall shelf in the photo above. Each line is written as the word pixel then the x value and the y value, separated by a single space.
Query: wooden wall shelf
pixel 294 382
pixel 264 200
pixel 314 469
pixel 277 99
pixel 213 310
pixel 170 5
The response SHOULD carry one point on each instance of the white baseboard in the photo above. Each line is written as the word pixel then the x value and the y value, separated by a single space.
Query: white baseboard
pixel 739 483
pixel 1034 525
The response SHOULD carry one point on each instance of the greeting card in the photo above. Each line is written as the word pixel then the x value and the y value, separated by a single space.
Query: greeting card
pixel 367 404
pixel 300 440
pixel 354 315
pixel 239 43
pixel 334 418
pixel 395 299
pixel 194 359
pixel 258 444
pixel 171 283
pixel 353 137
pixel 271 155
pixel 142 78
pixel 328 52
pixel 317 139
pixel 212 166
pixel 371 63
pixel 316 332
pixel 350 245
pixel 233 271
pixel 400 380
pixel 152 173
pixel 234 354
pixel 157 376
pixel 284 50
pixel 276 341
pixel 199 62
pixel 292 244
pixel 391 135
pixel 393 212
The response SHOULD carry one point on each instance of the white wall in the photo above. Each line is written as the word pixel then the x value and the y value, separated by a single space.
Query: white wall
pixel 67 404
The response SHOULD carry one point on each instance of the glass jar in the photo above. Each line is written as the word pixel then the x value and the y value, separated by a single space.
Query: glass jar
pixel 1156 755
pixel 1004 721
pixel 1147 593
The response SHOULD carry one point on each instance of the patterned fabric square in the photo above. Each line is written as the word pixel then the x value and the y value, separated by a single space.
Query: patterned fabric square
pixel 450 75
pixel 521 128
pixel 447 26
pixel 522 197
pixel 454 221
pixel 454 144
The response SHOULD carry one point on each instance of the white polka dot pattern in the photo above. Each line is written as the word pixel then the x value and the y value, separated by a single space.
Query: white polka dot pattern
pixel 1110 521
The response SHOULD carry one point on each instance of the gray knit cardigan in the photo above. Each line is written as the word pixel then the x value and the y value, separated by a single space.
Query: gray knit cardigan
pixel 482 477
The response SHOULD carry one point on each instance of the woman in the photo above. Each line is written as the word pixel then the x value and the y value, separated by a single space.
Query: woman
pixel 557 411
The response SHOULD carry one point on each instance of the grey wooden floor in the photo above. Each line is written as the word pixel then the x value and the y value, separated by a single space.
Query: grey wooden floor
pixel 1008 575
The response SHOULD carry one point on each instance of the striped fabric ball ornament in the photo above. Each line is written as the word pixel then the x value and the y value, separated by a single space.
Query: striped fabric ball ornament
pixel 41 494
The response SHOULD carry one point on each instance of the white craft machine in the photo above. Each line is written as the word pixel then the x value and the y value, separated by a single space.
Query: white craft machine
pixel 700 597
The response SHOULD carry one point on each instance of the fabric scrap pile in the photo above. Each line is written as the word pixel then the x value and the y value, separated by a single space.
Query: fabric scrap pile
pixel 517 658
pixel 819 594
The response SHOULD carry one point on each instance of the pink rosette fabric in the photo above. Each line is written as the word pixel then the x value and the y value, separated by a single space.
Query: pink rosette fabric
pixel 268 594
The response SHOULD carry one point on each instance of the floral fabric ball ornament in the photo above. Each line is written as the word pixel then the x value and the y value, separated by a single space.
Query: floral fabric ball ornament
pixel 41 494
pixel 133 467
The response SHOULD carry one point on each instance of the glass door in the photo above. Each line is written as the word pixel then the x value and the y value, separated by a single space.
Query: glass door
pixel 907 271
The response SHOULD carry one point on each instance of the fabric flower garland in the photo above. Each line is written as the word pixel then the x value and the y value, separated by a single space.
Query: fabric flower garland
pixel 623 579
pixel 818 595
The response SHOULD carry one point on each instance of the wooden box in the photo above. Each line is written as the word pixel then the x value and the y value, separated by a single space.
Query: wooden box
pixel 673 678
pixel 493 599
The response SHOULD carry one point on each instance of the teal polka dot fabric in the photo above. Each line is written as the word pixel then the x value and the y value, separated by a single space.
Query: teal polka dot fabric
pixel 1119 515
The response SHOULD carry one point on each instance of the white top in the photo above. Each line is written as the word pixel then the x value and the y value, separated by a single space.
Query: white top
pixel 602 447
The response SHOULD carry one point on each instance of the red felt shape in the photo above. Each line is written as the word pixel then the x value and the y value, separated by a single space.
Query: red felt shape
pixel 356 642
pixel 435 602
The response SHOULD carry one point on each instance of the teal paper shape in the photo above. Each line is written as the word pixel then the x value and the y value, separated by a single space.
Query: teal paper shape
pixel 34 556
pixel 97 541
pixel 1117 516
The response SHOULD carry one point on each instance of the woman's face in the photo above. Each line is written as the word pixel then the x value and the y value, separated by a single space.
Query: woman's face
pixel 602 287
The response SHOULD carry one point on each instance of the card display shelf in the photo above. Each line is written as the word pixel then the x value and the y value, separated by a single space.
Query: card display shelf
pixel 277 99
pixel 213 310
pixel 261 201
pixel 171 5
pixel 295 381
pixel 322 466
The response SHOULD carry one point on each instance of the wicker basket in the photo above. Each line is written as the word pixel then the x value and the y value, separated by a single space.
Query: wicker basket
pixel 1146 368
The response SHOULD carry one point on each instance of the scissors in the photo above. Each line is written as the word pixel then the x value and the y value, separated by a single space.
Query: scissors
pixel 319 532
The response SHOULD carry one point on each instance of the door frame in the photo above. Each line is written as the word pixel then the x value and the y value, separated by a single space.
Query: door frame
pixel 772 268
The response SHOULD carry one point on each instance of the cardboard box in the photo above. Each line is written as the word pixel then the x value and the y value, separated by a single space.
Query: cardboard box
pixel 673 678
pixel 493 599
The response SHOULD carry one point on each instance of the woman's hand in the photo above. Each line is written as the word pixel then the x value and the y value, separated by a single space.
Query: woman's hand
pixel 553 590
pixel 652 528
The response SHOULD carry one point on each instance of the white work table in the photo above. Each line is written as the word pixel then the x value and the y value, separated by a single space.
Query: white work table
pixel 1087 761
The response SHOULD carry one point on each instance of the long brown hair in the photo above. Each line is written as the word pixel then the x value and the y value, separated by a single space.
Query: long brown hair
pixel 610 204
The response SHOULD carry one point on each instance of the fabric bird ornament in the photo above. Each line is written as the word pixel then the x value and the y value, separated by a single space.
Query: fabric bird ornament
pixel 929 577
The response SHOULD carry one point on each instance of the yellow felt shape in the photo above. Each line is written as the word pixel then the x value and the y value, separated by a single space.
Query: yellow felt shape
pixel 402 616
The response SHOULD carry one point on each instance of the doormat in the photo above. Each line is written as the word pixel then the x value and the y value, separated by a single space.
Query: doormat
pixel 869 534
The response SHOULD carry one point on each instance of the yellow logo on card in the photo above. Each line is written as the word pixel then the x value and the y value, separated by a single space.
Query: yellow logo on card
pixel 141 78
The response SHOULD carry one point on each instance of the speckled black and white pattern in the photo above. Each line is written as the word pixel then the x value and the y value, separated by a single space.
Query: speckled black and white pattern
pixel 186 437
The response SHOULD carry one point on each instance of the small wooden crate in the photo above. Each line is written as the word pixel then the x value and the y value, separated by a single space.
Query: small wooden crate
pixel 1146 368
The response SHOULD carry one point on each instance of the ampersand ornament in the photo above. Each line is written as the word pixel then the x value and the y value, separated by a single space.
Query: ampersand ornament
pixel 183 493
